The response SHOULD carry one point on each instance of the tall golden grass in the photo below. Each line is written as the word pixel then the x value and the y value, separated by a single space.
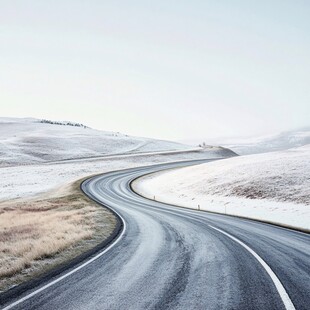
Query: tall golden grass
pixel 35 234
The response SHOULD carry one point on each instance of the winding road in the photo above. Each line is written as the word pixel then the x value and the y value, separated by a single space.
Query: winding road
pixel 174 258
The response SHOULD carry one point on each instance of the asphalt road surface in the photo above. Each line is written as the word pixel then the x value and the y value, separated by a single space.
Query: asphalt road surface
pixel 174 258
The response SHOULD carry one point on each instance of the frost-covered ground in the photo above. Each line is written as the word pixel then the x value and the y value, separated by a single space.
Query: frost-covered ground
pixel 31 141
pixel 273 187
pixel 30 180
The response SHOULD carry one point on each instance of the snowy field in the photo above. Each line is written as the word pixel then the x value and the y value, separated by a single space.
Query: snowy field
pixel 36 157
pixel 30 180
pixel 33 141
pixel 272 187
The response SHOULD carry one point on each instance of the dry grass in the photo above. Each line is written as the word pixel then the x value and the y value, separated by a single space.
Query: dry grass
pixel 40 234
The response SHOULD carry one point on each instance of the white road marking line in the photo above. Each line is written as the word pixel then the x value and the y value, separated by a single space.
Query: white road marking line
pixel 281 290
pixel 71 272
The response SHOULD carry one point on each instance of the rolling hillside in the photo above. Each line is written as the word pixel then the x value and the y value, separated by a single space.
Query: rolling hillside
pixel 29 141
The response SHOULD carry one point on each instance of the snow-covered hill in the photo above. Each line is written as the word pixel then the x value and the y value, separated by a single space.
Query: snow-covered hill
pixel 273 187
pixel 282 141
pixel 264 144
pixel 28 141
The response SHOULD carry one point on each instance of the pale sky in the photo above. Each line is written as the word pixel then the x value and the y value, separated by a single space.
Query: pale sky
pixel 165 69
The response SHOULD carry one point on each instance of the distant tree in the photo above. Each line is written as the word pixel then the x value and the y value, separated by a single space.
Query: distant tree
pixel 46 121
pixel 204 145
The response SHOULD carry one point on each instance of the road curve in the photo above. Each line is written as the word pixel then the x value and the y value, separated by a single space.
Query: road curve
pixel 173 258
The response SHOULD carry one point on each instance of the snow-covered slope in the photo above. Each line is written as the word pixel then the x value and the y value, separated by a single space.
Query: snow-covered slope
pixel 263 144
pixel 219 151
pixel 273 187
pixel 282 141
pixel 28 140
